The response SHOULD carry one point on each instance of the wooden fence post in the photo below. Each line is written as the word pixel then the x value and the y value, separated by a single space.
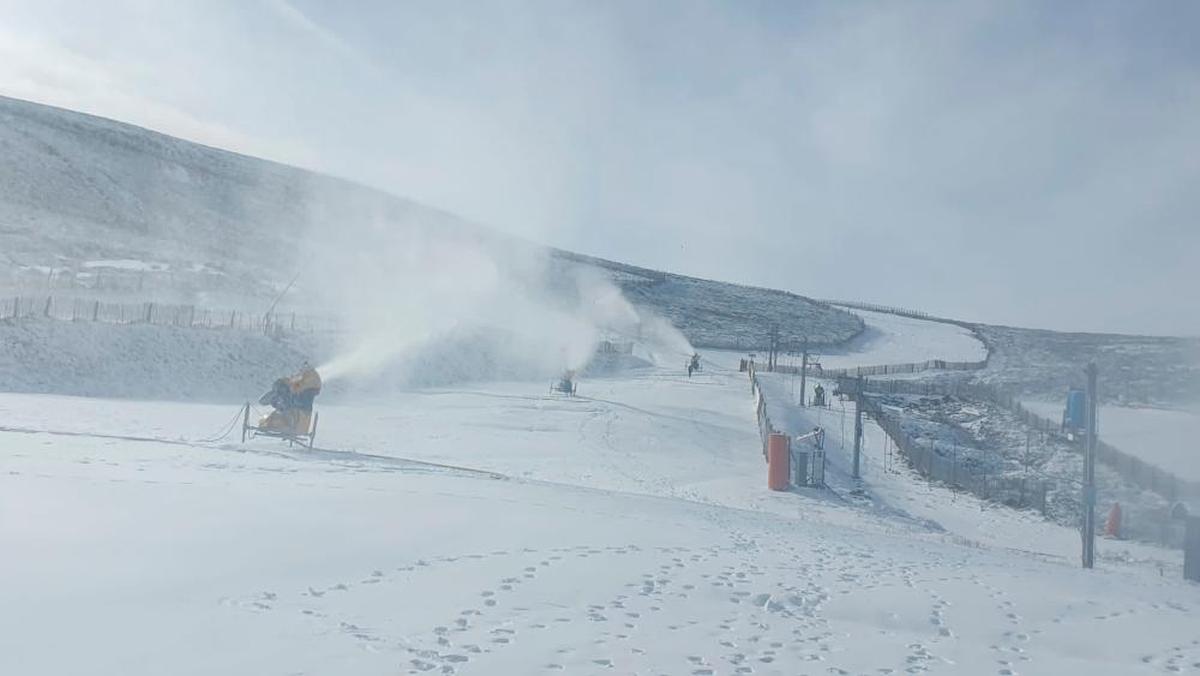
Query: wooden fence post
pixel 95 310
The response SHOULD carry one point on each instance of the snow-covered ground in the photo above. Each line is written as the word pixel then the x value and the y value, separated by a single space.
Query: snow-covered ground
pixel 139 360
pixel 1168 438
pixel 891 339
pixel 626 531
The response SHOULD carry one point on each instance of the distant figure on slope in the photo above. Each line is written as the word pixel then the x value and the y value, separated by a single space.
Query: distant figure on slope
pixel 694 364
pixel 818 395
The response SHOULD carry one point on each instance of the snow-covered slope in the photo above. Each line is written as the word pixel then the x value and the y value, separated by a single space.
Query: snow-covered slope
pixel 140 361
pixel 92 205
pixel 892 339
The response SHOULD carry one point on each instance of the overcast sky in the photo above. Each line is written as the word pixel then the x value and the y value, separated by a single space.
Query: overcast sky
pixel 1034 164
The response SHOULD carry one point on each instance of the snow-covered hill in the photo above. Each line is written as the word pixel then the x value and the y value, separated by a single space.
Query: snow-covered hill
pixel 89 205
pixel 1135 370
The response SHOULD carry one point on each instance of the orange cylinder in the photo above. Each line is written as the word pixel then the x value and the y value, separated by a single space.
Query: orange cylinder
pixel 1112 527
pixel 778 462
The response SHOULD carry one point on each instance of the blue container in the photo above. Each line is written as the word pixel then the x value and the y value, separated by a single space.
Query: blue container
pixel 1075 415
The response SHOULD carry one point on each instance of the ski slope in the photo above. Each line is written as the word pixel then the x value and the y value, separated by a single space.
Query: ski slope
pixel 625 531
pixel 892 339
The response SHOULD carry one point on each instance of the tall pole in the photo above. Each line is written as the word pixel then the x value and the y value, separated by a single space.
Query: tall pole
pixel 774 347
pixel 858 425
pixel 804 374
pixel 1089 473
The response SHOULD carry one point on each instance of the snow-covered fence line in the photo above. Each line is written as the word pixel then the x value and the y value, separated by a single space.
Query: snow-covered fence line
pixel 889 309
pixel 898 311
pixel 938 462
pixel 1135 470
pixel 765 428
pixel 806 454
pixel 887 369
pixel 160 314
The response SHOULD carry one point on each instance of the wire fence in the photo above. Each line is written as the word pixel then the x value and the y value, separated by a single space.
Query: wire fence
pixel 1134 470
pixel 816 371
pixel 942 462
pixel 898 311
pixel 159 314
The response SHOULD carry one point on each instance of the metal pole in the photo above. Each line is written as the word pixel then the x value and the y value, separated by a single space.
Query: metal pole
pixel 842 441
pixel 858 431
pixel 1089 473
pixel 804 375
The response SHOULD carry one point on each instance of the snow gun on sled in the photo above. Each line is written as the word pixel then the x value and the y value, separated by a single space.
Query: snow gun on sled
pixel 565 385
pixel 292 417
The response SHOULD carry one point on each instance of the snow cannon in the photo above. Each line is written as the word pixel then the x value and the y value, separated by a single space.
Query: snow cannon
pixel 1074 422
pixel 565 385
pixel 292 416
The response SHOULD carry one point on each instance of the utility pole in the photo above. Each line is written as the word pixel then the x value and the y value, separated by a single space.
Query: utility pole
pixel 1089 472
pixel 858 425
pixel 773 357
pixel 804 374
pixel 771 348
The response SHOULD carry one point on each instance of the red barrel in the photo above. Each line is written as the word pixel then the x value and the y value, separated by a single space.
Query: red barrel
pixel 778 462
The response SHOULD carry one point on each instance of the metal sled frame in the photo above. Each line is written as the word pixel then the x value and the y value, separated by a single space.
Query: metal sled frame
pixel 304 439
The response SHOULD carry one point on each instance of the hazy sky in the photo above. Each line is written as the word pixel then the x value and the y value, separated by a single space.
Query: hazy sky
pixel 1023 163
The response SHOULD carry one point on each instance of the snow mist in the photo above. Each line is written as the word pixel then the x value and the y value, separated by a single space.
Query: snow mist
pixel 426 304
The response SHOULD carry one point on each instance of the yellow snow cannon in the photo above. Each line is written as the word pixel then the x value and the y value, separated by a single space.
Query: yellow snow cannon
pixel 292 417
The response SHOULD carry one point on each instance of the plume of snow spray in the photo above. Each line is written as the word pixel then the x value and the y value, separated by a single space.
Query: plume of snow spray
pixel 607 308
pixel 421 304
